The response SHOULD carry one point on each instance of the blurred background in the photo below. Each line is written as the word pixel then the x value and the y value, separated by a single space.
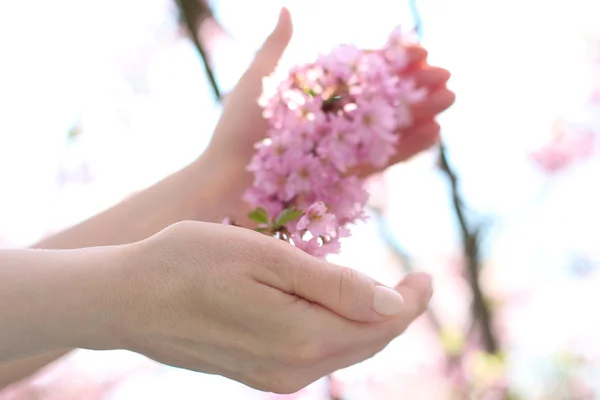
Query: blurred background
pixel 100 99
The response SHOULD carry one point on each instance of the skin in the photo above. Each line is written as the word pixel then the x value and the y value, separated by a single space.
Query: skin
pixel 171 282
pixel 233 149
pixel 206 297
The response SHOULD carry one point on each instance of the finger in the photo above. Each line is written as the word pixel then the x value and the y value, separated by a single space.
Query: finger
pixel 268 56
pixel 430 77
pixel 433 104
pixel 417 139
pixel 343 290
pixel 248 89
pixel 347 292
pixel 346 343
pixel 415 55
pixel 416 290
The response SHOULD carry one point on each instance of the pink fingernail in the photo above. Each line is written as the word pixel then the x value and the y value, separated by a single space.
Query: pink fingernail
pixel 387 301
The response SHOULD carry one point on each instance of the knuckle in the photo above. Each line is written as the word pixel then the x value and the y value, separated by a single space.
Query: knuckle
pixel 306 353
pixel 277 261
pixel 310 353
pixel 348 278
pixel 178 235
pixel 287 262
pixel 348 275
pixel 181 227
pixel 279 255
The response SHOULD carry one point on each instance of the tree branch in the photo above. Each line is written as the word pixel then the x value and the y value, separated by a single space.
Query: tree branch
pixel 193 13
pixel 470 241
pixel 469 238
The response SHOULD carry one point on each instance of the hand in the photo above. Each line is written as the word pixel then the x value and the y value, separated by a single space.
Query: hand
pixel 241 124
pixel 230 301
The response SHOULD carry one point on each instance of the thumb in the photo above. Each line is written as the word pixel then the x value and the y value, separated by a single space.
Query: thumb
pixel 249 86
pixel 348 293
pixel 268 56
pixel 345 291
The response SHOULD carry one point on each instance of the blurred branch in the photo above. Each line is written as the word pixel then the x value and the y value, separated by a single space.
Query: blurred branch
pixel 193 13
pixel 416 18
pixel 470 241
pixel 470 238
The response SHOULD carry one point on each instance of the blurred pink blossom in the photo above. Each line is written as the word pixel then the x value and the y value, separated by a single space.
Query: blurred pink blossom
pixel 569 144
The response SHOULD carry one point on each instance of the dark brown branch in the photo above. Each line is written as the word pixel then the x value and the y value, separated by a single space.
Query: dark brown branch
pixel 470 241
pixel 193 13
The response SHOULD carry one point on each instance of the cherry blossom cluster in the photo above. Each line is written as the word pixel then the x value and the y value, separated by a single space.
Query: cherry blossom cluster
pixel 330 121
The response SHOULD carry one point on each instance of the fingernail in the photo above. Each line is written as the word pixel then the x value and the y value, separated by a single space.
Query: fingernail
pixel 387 301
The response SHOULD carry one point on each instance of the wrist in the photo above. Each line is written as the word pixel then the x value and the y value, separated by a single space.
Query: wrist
pixel 89 297
pixel 218 187
pixel 100 290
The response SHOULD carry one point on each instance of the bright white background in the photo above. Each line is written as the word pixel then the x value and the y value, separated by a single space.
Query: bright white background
pixel 122 71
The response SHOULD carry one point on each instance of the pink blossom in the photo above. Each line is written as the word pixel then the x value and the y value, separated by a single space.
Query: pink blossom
pixel 338 146
pixel 342 62
pixel 333 246
pixel 395 52
pixel 317 221
pixel 304 173
pixel 375 115
pixel 327 120
pixel 595 96
pixel 309 246
pixel 569 144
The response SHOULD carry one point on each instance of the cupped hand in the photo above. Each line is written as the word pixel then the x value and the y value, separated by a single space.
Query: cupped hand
pixel 242 125
pixel 230 301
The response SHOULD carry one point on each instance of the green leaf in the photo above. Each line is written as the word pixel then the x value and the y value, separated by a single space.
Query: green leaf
pixel 287 215
pixel 310 92
pixel 259 215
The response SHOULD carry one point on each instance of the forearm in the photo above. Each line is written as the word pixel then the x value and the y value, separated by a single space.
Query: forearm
pixel 195 193
pixel 189 194
pixel 52 299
